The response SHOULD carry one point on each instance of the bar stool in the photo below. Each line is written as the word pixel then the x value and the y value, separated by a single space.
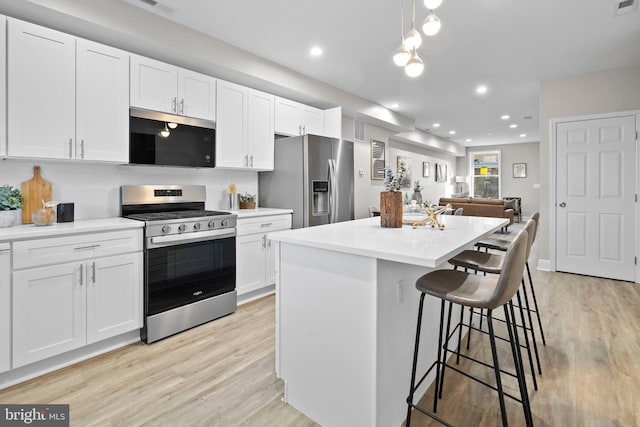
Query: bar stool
pixel 481 292
pixel 486 262
pixel 501 245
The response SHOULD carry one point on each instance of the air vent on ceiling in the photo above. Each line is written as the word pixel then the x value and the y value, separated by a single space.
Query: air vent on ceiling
pixel 625 6
pixel 149 2
pixel 358 131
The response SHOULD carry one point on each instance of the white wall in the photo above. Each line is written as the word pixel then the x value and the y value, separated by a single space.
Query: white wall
pixel 605 91
pixel 95 187
pixel 528 153
pixel 367 190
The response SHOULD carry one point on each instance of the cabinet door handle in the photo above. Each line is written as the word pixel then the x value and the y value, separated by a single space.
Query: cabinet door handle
pixel 82 148
pixel 299 129
pixel 264 241
pixel 93 275
pixel 266 224
pixel 304 129
pixel 251 160
pixel 246 161
pixel 70 147
pixel 81 274
pixel 182 106
pixel 4 250
pixel 86 248
pixel 268 242
pixel 173 104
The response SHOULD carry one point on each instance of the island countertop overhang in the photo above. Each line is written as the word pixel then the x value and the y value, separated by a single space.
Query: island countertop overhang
pixel 425 246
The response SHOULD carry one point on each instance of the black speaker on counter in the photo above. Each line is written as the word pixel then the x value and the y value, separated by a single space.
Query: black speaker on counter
pixel 65 212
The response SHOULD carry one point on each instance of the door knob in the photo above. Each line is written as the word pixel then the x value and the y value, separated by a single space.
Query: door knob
pixel 562 205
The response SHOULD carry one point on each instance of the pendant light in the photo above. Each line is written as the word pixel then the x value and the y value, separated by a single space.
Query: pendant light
pixel 413 40
pixel 402 54
pixel 431 25
pixel 432 4
pixel 415 66
pixel 165 132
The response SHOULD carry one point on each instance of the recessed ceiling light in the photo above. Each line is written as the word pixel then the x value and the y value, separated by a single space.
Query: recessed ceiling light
pixel 316 51
pixel 468 140
pixel 395 105
pixel 505 117
pixel 513 125
pixel 481 89
pixel 436 125
pixel 523 135
pixel 452 132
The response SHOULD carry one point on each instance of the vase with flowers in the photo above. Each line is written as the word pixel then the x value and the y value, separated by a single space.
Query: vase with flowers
pixel 391 199
pixel 11 202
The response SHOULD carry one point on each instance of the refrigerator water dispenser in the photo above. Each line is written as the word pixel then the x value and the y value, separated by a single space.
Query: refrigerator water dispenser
pixel 320 198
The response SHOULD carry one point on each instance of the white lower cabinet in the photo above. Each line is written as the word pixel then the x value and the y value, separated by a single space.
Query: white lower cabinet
pixel 5 307
pixel 64 306
pixel 255 256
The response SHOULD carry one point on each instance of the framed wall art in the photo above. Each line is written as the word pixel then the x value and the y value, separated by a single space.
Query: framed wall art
pixel 425 170
pixel 519 170
pixel 406 181
pixel 378 159
pixel 441 172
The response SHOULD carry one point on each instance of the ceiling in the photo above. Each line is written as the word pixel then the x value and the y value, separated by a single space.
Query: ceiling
pixel 508 45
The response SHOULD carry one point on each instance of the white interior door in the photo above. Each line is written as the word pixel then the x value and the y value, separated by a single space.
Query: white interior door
pixel 595 197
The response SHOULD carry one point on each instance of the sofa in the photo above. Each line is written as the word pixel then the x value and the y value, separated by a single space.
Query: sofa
pixel 480 207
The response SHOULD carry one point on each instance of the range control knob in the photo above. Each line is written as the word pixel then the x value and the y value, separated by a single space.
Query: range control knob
pixel 212 224
pixel 182 227
pixel 223 223
pixel 166 229
pixel 196 226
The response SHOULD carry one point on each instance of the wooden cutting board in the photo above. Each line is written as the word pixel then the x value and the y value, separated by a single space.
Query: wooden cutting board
pixel 34 192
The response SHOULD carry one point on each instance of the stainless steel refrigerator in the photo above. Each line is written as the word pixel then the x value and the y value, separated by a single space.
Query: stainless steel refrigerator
pixel 313 175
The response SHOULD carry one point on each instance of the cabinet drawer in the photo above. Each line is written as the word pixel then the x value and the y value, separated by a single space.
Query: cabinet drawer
pixel 263 224
pixel 32 253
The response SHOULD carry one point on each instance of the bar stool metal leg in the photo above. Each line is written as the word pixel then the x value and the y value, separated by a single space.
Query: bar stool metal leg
pixel 494 354
pixel 517 360
pixel 535 303
pixel 446 349
pixel 525 329
pixel 533 332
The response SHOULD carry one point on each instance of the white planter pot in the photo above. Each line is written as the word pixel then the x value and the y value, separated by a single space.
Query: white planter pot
pixel 10 218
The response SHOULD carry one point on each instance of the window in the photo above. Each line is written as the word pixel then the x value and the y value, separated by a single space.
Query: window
pixel 485 175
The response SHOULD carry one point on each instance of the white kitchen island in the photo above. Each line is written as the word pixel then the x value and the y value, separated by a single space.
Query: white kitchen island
pixel 346 308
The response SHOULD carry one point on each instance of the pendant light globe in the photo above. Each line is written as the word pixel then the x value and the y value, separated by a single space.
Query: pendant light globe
pixel 415 66
pixel 401 56
pixel 431 25
pixel 432 4
pixel 412 40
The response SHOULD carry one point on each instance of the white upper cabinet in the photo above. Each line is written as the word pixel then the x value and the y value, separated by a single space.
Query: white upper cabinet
pixel 3 86
pixel 293 118
pixel 159 86
pixel 244 127
pixel 102 113
pixel 41 91
pixel 67 97
pixel 260 133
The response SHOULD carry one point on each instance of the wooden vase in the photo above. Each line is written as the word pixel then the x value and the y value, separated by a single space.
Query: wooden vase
pixel 391 209
pixel 247 205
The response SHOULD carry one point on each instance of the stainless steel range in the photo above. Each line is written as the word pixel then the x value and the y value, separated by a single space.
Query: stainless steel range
pixel 190 257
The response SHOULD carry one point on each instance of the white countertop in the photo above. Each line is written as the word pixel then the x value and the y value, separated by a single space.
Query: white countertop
pixel 252 213
pixel 424 246
pixel 30 231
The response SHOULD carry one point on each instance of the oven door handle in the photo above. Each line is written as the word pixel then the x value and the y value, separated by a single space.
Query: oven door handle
pixel 177 239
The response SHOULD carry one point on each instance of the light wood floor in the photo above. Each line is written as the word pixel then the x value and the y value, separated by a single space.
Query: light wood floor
pixel 221 374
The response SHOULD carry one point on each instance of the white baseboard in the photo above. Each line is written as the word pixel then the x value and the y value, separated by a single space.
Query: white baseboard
pixel 256 294
pixel 544 265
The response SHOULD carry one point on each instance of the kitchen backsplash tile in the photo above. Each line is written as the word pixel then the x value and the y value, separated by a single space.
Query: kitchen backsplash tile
pixel 95 187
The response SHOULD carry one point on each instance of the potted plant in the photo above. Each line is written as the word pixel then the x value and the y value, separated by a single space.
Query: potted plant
pixel 391 199
pixel 247 201
pixel 417 195
pixel 11 202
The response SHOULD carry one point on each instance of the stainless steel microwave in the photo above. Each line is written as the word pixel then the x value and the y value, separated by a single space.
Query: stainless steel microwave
pixel 168 140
